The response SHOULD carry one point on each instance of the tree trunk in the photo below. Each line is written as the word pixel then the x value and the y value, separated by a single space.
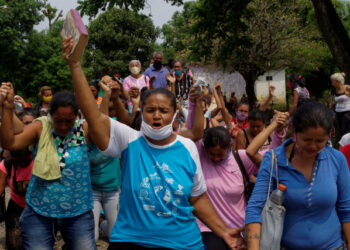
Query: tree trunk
pixel 250 88
pixel 334 33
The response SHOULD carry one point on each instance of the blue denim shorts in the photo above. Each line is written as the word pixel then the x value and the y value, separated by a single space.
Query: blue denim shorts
pixel 39 232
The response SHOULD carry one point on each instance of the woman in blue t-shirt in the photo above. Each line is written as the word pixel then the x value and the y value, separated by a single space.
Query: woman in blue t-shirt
pixel 59 194
pixel 317 199
pixel 162 180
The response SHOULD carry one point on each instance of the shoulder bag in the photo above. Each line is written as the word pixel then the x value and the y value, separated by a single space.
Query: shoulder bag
pixel 272 217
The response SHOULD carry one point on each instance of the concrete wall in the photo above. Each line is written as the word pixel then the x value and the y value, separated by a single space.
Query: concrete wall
pixel 234 82
pixel 278 80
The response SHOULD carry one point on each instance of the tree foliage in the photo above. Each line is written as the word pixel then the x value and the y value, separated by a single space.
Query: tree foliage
pixel 177 33
pixel 43 63
pixel 118 36
pixel 91 8
pixel 29 58
pixel 251 37
pixel 16 24
pixel 334 33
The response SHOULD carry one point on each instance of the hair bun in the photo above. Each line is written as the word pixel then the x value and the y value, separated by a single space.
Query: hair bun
pixel 343 74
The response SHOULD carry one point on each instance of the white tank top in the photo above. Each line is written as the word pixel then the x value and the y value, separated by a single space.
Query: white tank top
pixel 342 103
pixel 303 93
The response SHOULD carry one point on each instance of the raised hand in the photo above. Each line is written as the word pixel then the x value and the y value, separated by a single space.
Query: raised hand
pixel 170 78
pixel 67 45
pixel 217 87
pixel 281 118
pixel 135 97
pixel 7 95
pixel 105 88
pixel 194 95
pixel 116 89
pixel 134 92
pixel 272 90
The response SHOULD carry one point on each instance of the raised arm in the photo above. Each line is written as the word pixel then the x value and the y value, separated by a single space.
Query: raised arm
pixel 172 81
pixel 225 114
pixel 268 101
pixel 105 98
pixel 253 149
pixel 99 124
pixel 9 140
pixel 135 99
pixel 295 102
pixel 196 131
pixel 241 142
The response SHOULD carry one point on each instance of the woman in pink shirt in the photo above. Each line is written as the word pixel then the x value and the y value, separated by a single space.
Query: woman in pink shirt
pixel 224 179
pixel 135 80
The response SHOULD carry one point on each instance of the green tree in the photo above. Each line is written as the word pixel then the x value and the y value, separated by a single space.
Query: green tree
pixel 251 37
pixel 177 33
pixel 51 13
pixel 334 33
pixel 16 23
pixel 91 8
pixel 43 63
pixel 116 37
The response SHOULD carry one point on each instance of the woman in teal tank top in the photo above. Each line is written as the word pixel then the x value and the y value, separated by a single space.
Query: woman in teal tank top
pixel 59 195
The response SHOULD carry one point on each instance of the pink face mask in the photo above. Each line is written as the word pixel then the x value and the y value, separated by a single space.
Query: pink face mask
pixel 241 116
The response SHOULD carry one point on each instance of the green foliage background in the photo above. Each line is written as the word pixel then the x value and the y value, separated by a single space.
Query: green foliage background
pixel 206 31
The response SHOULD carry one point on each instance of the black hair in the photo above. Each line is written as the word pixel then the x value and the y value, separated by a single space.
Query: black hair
pixel 28 111
pixel 95 84
pixel 217 136
pixel 181 62
pixel 136 124
pixel 257 115
pixel 63 99
pixel 171 62
pixel 242 103
pixel 312 114
pixel 116 72
pixel 148 93
pixel 298 79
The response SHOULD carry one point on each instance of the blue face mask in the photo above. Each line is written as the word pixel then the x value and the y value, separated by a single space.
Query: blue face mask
pixel 178 72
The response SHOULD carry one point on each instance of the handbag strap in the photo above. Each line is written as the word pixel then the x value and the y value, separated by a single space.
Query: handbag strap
pixel 273 162
pixel 241 167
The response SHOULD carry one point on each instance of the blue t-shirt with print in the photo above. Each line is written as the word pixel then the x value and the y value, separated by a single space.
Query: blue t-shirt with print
pixel 157 183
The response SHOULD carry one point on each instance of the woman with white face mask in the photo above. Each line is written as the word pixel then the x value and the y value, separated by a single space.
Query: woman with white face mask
pixel 162 180
pixel 134 82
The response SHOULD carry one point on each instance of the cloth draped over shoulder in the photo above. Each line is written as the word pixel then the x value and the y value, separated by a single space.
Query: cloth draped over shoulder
pixel 46 163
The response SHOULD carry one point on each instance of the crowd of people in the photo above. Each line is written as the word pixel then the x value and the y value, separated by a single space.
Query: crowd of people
pixel 161 160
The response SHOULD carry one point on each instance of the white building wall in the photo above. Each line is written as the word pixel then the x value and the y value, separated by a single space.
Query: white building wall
pixel 278 81
pixel 234 82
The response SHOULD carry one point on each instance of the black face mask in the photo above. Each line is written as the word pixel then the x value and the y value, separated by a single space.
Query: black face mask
pixel 157 65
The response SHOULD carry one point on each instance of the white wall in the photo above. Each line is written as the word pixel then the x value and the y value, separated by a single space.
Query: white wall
pixel 234 82
pixel 278 80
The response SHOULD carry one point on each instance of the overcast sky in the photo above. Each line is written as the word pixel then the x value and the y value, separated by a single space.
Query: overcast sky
pixel 160 10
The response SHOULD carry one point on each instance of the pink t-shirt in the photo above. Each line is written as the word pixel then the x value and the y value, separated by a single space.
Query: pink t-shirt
pixel 23 176
pixel 225 187
pixel 141 82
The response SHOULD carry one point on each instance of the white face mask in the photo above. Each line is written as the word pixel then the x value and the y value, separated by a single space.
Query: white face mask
pixel 135 70
pixel 158 134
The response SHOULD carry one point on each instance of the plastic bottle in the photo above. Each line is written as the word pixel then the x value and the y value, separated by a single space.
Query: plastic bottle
pixel 277 196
